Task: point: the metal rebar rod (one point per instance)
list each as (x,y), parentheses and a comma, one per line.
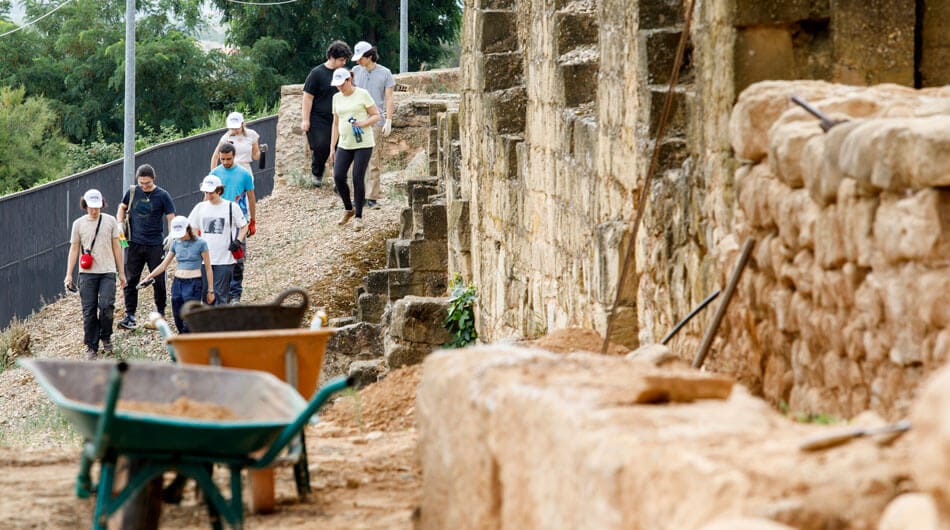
(727,297)
(654,161)
(702,305)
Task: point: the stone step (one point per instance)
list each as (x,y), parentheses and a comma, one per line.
(370,307)
(503,70)
(397,253)
(507,110)
(660,45)
(406,228)
(677,123)
(499,31)
(575,28)
(430,256)
(660,13)
(578,70)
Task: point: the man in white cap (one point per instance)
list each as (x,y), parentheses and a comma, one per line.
(94,244)
(316,117)
(378,81)
(222,225)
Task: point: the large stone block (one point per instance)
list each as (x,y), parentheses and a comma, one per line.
(786,146)
(860,60)
(503,70)
(351,342)
(420,319)
(910,228)
(397,252)
(576,79)
(757,12)
(676,123)
(428,255)
(507,110)
(370,307)
(660,14)
(499,31)
(434,222)
(406,227)
(575,28)
(459,226)
(897,153)
(659,47)
(762,53)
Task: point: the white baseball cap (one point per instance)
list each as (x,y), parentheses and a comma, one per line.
(210,183)
(340,75)
(361,48)
(179,227)
(235,119)
(93,198)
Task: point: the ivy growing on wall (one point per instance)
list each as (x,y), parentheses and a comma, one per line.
(460,320)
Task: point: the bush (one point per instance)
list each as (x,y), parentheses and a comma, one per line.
(460,320)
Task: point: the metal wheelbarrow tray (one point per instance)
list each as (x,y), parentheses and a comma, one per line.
(270,415)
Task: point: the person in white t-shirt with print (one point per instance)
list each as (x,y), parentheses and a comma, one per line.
(222,226)
(353,110)
(246,142)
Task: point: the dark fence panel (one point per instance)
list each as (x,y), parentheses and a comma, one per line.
(35,224)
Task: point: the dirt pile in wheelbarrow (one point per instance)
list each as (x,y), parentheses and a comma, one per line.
(181,408)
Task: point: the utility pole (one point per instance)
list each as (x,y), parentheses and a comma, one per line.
(128,165)
(403,36)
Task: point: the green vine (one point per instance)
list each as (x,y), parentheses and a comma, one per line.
(460,320)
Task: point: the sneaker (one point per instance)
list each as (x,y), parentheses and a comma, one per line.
(107,346)
(358,224)
(128,322)
(90,354)
(347,215)
(316,181)
(371,203)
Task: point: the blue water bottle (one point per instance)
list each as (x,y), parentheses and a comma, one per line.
(357,131)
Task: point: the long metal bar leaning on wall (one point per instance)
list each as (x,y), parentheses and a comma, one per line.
(35,224)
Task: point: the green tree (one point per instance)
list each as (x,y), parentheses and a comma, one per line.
(308,28)
(31,149)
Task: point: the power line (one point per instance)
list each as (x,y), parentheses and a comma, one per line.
(41,17)
(261,3)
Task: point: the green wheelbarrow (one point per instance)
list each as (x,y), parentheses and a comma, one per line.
(268,415)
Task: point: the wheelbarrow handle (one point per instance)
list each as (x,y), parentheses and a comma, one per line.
(162,326)
(97,447)
(292,430)
(305,300)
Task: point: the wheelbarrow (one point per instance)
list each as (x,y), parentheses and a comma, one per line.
(294,355)
(242,317)
(267,416)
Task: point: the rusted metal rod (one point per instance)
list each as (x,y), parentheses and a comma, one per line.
(826,122)
(724,305)
(654,160)
(702,305)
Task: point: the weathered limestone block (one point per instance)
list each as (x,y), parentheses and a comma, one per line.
(763,52)
(910,511)
(352,342)
(911,228)
(744,523)
(370,307)
(829,238)
(796,216)
(759,106)
(756,186)
(366,372)
(867,61)
(897,153)
(426,255)
(434,222)
(514,438)
(857,213)
(397,253)
(786,145)
(825,184)
(930,439)
(420,319)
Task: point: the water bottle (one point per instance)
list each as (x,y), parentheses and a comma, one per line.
(357,131)
(319,320)
(122,241)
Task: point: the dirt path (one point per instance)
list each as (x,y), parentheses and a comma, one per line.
(366,481)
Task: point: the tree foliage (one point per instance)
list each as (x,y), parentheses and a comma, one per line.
(32,148)
(308,28)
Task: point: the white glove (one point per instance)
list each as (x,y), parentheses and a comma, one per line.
(387,127)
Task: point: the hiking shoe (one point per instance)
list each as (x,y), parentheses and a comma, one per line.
(371,203)
(90,354)
(316,181)
(107,346)
(358,224)
(347,215)
(128,322)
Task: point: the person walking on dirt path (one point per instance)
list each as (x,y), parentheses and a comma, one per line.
(94,244)
(222,225)
(238,185)
(246,142)
(191,252)
(379,82)
(316,117)
(150,208)
(354,114)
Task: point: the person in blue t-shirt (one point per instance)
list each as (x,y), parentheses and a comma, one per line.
(192,253)
(151,208)
(238,188)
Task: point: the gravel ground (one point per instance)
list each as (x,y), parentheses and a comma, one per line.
(298,244)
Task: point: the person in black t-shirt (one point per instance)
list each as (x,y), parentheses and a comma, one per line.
(151,209)
(316,118)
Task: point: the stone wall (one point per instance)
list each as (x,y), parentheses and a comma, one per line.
(846,302)
(560,102)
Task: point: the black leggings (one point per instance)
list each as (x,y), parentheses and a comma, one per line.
(360,160)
